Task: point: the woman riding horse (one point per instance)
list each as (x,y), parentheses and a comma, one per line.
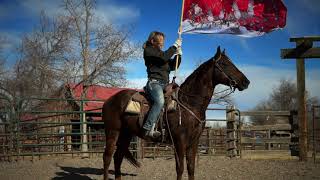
(184,126)
(159,64)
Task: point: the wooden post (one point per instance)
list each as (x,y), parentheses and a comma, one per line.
(84,143)
(268,145)
(84,136)
(69,139)
(90,140)
(302,115)
(240,138)
(253,145)
(304,49)
(154,151)
(231,132)
(313,134)
(220,140)
(139,148)
(208,141)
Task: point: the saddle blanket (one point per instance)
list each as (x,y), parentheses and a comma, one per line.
(134,107)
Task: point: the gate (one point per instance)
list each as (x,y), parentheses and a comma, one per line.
(268,141)
(50,126)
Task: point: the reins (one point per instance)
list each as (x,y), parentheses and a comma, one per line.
(189,110)
(231,89)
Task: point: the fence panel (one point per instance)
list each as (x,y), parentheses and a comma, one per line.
(53,126)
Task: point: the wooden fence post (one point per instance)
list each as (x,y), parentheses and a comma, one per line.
(139,148)
(268,145)
(302,110)
(304,50)
(208,141)
(84,136)
(231,132)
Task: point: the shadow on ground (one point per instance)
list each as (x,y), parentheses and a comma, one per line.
(83,173)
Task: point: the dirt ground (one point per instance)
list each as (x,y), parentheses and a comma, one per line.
(208,168)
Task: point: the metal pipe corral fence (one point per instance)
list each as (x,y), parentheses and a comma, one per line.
(54,127)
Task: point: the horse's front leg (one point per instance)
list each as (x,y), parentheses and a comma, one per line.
(180,147)
(191,156)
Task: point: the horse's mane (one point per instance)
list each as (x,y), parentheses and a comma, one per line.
(203,68)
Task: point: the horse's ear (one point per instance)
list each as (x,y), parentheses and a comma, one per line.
(218,50)
(218,53)
(224,52)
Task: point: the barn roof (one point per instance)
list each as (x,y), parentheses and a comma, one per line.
(96,95)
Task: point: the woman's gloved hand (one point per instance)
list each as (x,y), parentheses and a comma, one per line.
(179,51)
(178,43)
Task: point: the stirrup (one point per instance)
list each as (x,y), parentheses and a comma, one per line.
(153,134)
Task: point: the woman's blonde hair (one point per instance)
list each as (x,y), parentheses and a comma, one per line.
(151,37)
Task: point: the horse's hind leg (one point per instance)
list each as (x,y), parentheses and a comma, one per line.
(111,139)
(122,146)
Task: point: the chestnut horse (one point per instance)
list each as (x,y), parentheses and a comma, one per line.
(185,125)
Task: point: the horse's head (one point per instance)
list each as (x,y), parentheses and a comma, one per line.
(231,75)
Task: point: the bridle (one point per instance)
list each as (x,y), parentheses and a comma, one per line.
(232,82)
(232,88)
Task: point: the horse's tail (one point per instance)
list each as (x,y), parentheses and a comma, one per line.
(132,160)
(111,114)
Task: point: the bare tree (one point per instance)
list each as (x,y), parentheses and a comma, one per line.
(72,47)
(4,73)
(39,64)
(103,48)
(42,56)
(6,97)
(2,58)
(2,69)
(282,98)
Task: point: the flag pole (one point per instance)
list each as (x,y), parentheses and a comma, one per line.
(179,35)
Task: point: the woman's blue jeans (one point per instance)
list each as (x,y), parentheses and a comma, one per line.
(155,91)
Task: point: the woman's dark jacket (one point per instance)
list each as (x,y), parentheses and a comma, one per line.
(159,63)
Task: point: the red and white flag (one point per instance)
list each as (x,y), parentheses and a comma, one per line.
(240,17)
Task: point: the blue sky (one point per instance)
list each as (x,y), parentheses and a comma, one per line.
(259,57)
